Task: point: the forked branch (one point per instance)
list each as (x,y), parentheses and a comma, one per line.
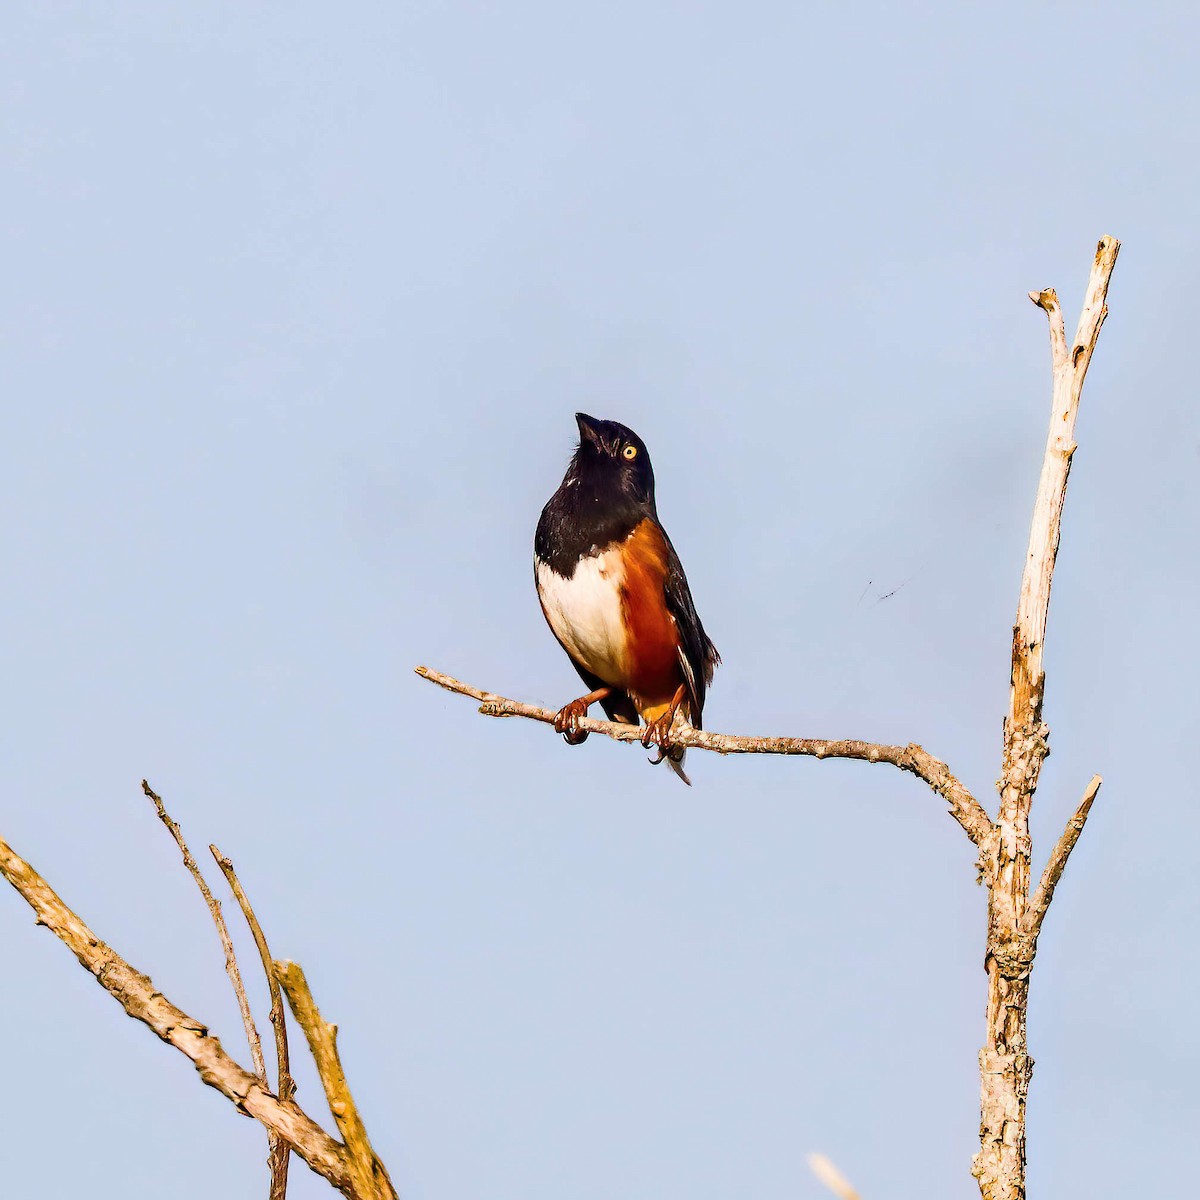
(1013,918)
(1069,367)
(352,1168)
(141,1000)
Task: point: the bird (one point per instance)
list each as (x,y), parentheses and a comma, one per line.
(614,593)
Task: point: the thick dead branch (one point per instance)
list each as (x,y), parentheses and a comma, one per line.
(214,907)
(964,808)
(1005,1065)
(280,1152)
(1036,912)
(138,996)
(370,1174)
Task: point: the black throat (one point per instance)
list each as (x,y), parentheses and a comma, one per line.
(589,513)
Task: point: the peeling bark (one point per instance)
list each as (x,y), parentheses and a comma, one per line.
(1005,1067)
(138,996)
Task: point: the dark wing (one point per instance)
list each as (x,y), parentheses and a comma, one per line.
(697,655)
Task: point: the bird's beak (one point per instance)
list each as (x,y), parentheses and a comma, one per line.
(587,430)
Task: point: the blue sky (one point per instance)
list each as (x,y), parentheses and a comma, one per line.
(297,305)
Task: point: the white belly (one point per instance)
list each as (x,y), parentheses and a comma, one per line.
(585,614)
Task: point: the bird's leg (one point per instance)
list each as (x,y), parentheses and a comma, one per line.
(658,732)
(566,720)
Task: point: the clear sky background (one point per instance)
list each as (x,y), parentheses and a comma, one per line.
(297,303)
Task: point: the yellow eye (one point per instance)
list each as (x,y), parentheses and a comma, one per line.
(629,452)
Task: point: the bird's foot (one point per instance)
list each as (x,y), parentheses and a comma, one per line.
(658,734)
(566,721)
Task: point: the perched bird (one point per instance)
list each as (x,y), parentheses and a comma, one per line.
(614,593)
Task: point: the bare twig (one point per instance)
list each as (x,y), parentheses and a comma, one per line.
(285,1087)
(1047,300)
(1036,912)
(138,996)
(964,808)
(370,1174)
(831,1177)
(214,907)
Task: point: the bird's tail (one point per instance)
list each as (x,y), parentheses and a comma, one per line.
(676,754)
(675,762)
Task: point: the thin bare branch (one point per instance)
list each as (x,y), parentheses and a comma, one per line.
(1047,300)
(214,907)
(369,1173)
(831,1177)
(138,996)
(964,808)
(1035,914)
(1069,370)
(280,1152)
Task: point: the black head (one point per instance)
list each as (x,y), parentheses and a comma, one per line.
(612,459)
(607,491)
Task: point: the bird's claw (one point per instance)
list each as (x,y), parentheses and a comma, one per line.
(658,735)
(566,722)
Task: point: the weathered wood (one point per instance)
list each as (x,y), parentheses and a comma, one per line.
(138,996)
(1004,1063)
